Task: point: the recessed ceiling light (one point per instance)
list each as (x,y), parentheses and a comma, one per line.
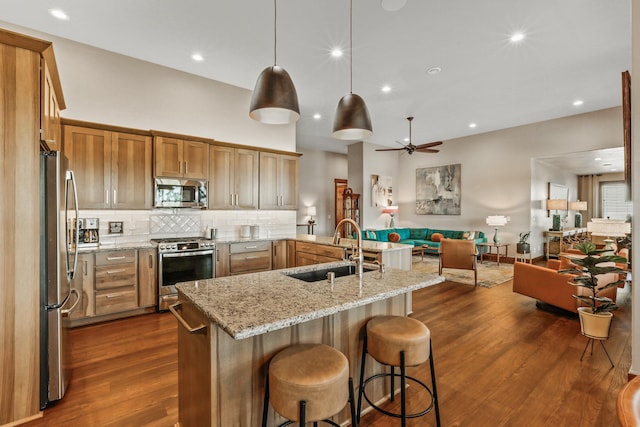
(473,125)
(613,169)
(516,37)
(336,52)
(197,57)
(317,116)
(393,5)
(434,70)
(597,158)
(386,88)
(578,102)
(59,13)
(407,140)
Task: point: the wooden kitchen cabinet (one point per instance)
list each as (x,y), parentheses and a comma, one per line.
(291,253)
(278,181)
(147,277)
(112,168)
(233,178)
(222,259)
(83,283)
(180,158)
(116,281)
(51,131)
(279,248)
(249,257)
(24,61)
(312,253)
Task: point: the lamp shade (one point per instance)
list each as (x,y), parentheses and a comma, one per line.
(274,100)
(311,211)
(352,121)
(608,227)
(578,206)
(497,220)
(557,204)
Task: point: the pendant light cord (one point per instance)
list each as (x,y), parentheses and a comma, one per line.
(275,30)
(351,46)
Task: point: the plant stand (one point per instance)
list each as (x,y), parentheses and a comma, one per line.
(595,327)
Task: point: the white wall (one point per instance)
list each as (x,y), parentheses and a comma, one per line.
(104,87)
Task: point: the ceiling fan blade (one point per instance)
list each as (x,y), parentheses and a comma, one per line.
(390,149)
(429,144)
(427,150)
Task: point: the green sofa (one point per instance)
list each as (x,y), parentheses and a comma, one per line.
(420,236)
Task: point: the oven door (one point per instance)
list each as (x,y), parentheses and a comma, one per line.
(182,267)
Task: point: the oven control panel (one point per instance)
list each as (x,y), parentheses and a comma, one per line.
(185,246)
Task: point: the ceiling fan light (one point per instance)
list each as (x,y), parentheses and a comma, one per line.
(352,121)
(274,100)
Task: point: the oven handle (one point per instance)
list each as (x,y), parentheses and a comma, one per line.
(185,254)
(201,328)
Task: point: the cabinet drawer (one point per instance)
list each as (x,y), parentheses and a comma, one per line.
(114,276)
(118,257)
(116,300)
(237,248)
(306,247)
(330,251)
(249,262)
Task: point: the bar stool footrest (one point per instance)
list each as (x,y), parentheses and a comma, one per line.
(393,414)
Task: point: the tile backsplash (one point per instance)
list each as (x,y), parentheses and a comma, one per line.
(140,226)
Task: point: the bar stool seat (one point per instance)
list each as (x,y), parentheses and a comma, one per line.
(398,341)
(309,382)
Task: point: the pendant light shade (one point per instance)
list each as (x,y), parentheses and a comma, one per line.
(352,121)
(274,100)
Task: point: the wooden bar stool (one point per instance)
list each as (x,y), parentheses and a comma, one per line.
(309,382)
(398,341)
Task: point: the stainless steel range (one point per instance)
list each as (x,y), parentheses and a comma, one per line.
(182,260)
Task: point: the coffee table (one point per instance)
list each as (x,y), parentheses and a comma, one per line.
(490,245)
(419,250)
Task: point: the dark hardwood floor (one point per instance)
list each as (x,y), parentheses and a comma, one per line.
(500,361)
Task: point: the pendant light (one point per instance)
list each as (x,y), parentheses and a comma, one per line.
(352,121)
(274,100)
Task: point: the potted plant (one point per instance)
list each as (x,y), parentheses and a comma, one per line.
(523,246)
(595,315)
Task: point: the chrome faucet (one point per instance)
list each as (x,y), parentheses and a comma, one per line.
(358,256)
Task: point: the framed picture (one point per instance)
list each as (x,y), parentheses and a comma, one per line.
(381,191)
(438,190)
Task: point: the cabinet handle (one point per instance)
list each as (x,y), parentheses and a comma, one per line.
(106,196)
(115,258)
(186,168)
(251,257)
(150,261)
(85,268)
(201,328)
(109,296)
(116,271)
(251,247)
(115,197)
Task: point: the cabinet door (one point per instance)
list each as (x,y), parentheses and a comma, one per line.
(167,157)
(279,248)
(269,196)
(89,154)
(195,159)
(83,283)
(291,253)
(131,180)
(246,178)
(50,120)
(222,259)
(147,278)
(288,181)
(221,177)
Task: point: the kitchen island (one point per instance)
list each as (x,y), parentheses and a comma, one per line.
(231,327)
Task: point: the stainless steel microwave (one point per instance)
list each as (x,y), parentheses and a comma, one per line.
(179,193)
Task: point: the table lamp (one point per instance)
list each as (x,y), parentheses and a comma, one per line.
(497,221)
(311,211)
(391,210)
(578,206)
(556,205)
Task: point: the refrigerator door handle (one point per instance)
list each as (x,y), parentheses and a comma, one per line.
(67,311)
(70,178)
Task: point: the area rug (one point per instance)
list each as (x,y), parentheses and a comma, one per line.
(489,274)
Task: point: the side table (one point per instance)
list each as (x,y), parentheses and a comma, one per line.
(490,245)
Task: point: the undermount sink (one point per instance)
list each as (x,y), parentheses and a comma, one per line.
(318,275)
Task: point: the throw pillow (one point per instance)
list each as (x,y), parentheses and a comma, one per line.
(394,237)
(436,237)
(369,234)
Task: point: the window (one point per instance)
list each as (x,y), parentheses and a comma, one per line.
(614,201)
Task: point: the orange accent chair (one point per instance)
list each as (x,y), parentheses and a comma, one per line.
(460,254)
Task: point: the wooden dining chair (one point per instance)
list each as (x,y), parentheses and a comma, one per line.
(460,254)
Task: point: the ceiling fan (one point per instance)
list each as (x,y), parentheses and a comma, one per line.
(422,148)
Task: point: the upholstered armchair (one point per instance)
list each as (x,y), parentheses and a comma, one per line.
(460,254)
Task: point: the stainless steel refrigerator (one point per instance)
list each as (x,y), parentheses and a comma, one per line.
(58,211)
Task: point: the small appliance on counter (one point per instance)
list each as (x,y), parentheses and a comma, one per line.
(88,235)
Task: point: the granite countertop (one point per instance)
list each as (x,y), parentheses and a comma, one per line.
(253,304)
(115,247)
(368,245)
